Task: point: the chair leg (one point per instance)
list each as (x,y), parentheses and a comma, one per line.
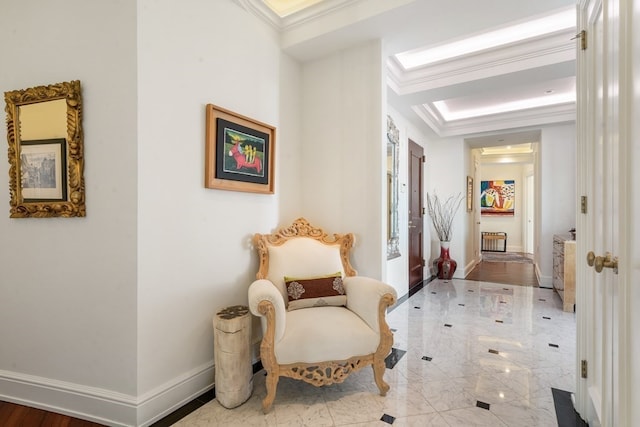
(272,384)
(378,372)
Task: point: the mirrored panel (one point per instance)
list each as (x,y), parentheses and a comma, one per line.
(46,151)
(393,147)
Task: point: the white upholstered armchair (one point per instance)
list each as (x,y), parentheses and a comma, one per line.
(320,321)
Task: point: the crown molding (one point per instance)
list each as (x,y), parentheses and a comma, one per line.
(562,113)
(282,24)
(262,11)
(548,50)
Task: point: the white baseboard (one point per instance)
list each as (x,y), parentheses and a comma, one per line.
(163,400)
(543,281)
(461,273)
(105,406)
(88,403)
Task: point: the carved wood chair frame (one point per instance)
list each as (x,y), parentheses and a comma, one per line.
(322,373)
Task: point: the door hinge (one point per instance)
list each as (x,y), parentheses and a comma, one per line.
(583,39)
(583,204)
(583,368)
(423,211)
(424,263)
(424,159)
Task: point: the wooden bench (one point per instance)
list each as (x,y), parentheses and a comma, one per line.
(494,241)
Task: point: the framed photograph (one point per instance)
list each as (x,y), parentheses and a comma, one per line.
(469,194)
(239,152)
(497,198)
(43,170)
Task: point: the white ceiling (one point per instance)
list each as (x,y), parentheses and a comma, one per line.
(539,67)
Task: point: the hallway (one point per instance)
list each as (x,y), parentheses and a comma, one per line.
(514,273)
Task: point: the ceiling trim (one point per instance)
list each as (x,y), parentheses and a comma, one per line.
(516,57)
(562,113)
(507,158)
(262,11)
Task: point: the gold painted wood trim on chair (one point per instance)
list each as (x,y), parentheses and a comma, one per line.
(302,228)
(327,372)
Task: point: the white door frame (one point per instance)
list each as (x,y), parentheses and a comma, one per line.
(530,214)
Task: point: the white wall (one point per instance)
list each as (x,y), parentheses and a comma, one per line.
(398,268)
(557,192)
(195,256)
(344,150)
(512,225)
(121,302)
(447,170)
(68,286)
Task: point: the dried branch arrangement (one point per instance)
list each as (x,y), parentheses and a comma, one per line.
(442,214)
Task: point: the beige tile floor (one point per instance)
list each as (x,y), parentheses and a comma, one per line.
(514,380)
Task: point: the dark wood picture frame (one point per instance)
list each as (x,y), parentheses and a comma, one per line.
(239,152)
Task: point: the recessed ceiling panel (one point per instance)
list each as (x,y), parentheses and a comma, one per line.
(547,24)
(507,149)
(524,96)
(286,7)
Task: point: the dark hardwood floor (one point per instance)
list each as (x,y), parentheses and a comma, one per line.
(511,273)
(12,415)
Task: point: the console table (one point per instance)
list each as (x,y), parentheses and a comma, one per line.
(564,270)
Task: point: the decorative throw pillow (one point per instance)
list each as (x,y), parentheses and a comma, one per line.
(315,291)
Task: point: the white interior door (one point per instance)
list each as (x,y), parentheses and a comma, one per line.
(599,130)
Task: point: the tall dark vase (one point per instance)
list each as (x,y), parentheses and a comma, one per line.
(444,265)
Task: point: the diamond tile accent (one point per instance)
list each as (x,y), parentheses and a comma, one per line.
(388,418)
(483,405)
(394,357)
(427,358)
(447,325)
(554,345)
(492,351)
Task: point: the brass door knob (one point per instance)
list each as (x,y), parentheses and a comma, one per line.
(601,263)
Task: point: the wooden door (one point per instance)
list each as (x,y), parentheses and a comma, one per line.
(416,233)
(603,388)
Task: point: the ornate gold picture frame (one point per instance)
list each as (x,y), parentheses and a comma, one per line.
(46,151)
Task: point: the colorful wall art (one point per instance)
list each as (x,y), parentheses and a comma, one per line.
(497,198)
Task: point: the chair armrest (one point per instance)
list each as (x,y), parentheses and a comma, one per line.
(364,296)
(264,290)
